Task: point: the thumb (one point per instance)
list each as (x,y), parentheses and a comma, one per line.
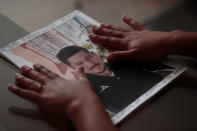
(80,73)
(134,24)
(119,56)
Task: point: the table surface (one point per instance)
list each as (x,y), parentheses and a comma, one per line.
(175,108)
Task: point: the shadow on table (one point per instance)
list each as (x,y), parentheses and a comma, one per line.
(60,124)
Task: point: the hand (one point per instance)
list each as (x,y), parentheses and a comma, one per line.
(49,91)
(61,98)
(139,44)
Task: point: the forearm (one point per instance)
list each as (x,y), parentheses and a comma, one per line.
(183,43)
(90,115)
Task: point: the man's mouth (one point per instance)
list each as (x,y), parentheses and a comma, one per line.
(100,70)
(94,66)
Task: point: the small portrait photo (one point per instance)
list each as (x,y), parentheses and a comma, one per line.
(116,85)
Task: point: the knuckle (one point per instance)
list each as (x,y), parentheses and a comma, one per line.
(111,39)
(44,70)
(112,27)
(95,37)
(118,33)
(38,67)
(52,75)
(39,75)
(134,22)
(17,90)
(28,70)
(102,30)
(20,93)
(109,26)
(125,43)
(30,73)
(126,34)
(110,32)
(33,83)
(24,79)
(21,78)
(41,78)
(100,38)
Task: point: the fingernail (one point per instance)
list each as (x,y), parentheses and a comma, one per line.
(123,16)
(110,57)
(10,86)
(102,25)
(94,27)
(36,65)
(17,75)
(25,68)
(90,35)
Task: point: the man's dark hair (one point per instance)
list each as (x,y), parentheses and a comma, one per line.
(69,51)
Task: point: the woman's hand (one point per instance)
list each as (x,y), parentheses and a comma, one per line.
(51,92)
(139,44)
(62,98)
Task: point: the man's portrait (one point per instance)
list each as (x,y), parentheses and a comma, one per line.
(117,86)
(76,56)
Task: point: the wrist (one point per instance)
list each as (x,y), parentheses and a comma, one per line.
(79,105)
(174,39)
(86,112)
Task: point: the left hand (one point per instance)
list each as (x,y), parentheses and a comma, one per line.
(49,91)
(139,44)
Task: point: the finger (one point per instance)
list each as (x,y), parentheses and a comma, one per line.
(108,26)
(109,42)
(108,32)
(45,71)
(119,56)
(26,94)
(80,74)
(29,72)
(75,75)
(27,83)
(135,25)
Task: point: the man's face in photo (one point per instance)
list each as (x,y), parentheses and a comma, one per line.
(91,62)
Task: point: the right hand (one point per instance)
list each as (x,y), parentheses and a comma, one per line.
(139,44)
(56,96)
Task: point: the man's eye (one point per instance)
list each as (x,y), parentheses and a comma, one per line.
(88,57)
(78,63)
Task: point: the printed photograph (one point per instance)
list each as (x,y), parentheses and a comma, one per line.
(67,47)
(117,86)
